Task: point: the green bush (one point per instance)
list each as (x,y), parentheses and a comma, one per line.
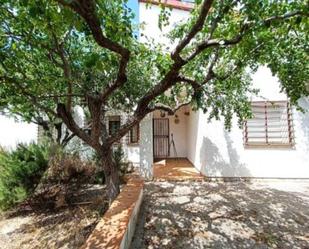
(120,161)
(118,157)
(20,172)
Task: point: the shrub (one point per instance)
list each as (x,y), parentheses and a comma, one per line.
(65,168)
(118,157)
(120,161)
(20,172)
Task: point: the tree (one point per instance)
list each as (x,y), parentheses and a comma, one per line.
(52,127)
(58,54)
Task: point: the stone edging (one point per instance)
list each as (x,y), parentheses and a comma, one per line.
(116,229)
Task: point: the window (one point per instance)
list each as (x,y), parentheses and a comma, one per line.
(113,124)
(134,134)
(271,125)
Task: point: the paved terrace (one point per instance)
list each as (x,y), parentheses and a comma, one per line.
(180,210)
(179,169)
(198,215)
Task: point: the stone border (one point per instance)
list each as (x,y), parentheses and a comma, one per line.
(116,229)
(222,179)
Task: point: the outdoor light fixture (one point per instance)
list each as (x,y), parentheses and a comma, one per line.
(176,119)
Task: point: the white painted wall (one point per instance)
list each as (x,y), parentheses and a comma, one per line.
(146,147)
(267,84)
(149,16)
(216,152)
(133,154)
(13,132)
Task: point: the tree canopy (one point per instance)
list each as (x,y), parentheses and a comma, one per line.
(58,54)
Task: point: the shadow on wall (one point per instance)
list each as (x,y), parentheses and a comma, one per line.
(145,168)
(213,163)
(304,120)
(146,153)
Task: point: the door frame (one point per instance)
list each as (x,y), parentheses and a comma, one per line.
(168,137)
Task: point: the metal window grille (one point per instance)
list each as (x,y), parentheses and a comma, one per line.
(271,125)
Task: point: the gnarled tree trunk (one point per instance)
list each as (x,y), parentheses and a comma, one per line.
(111,174)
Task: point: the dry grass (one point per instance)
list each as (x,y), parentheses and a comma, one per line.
(67,227)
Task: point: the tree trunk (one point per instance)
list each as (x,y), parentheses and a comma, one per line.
(111,175)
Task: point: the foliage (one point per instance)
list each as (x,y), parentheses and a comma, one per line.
(55,55)
(118,156)
(20,172)
(37,36)
(119,161)
(65,168)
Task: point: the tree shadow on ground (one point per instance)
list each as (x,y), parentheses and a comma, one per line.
(67,227)
(221,215)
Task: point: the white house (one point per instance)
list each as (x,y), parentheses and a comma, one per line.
(275,144)
(13,132)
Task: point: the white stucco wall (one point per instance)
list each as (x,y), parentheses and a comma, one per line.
(146,147)
(13,132)
(267,84)
(217,152)
(149,16)
(133,154)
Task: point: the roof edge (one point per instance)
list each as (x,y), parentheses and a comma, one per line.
(171,3)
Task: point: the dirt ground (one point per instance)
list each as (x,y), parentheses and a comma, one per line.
(65,228)
(192,215)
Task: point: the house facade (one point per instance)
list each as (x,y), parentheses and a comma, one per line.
(274,144)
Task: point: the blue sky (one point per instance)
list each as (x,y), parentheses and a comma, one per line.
(133,4)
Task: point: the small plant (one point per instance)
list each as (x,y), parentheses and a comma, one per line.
(119,161)
(118,157)
(266,237)
(65,168)
(20,172)
(122,165)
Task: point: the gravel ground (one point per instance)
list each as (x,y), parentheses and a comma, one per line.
(195,215)
(65,228)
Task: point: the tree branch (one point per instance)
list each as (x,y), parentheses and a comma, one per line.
(30,96)
(72,125)
(169,110)
(86,9)
(67,75)
(218,42)
(219,17)
(285,16)
(195,85)
(194,30)
(59,47)
(210,74)
(242,32)
(52,96)
(95,109)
